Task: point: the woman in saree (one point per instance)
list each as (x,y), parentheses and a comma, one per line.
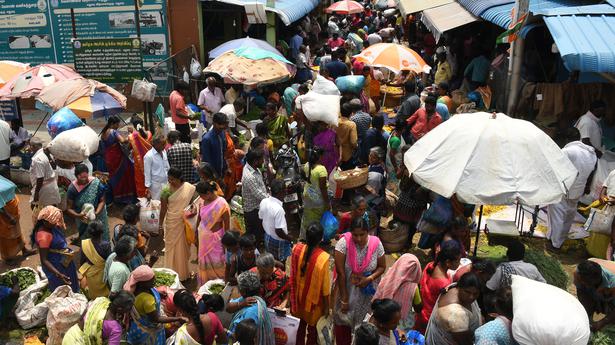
(498,331)
(251,306)
(213,219)
(141,142)
(95,252)
(435,278)
(277,125)
(400,283)
(359,263)
(386,314)
(104,322)
(86,189)
(174,198)
(274,281)
(11,239)
(146,326)
(326,139)
(119,165)
(201,329)
(56,257)
(288,98)
(310,284)
(395,151)
(207,174)
(456,314)
(232,163)
(315,193)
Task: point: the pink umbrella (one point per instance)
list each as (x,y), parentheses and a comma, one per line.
(30,83)
(345,7)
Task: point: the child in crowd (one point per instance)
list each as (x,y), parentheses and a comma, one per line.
(230,241)
(245,259)
(130,215)
(376,184)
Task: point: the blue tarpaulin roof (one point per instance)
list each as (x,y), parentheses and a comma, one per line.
(289,11)
(585,42)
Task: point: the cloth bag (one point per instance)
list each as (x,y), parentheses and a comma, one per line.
(65,310)
(143,90)
(600,220)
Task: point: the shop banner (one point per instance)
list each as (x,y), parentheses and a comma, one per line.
(108,60)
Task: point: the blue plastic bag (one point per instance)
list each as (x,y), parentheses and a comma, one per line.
(63,120)
(440,212)
(330,224)
(350,83)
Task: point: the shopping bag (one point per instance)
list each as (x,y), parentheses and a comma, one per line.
(149,215)
(324,327)
(160,114)
(600,221)
(285,328)
(195,68)
(330,224)
(190,233)
(143,90)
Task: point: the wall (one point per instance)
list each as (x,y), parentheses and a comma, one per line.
(184,25)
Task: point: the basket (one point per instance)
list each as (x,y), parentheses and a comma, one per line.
(353,178)
(394,239)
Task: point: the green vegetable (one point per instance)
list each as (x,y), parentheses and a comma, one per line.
(46,293)
(216,289)
(605,336)
(550,268)
(24,276)
(164,279)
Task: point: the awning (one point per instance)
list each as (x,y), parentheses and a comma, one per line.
(443,18)
(289,11)
(585,42)
(411,6)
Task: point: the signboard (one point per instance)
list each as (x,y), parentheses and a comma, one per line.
(40,31)
(8,110)
(25,32)
(109,60)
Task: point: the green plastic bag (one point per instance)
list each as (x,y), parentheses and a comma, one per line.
(160,114)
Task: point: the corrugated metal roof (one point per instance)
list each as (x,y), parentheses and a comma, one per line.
(289,11)
(443,18)
(585,42)
(478,7)
(577,10)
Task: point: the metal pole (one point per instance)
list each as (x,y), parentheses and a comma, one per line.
(480,219)
(73,22)
(516,59)
(146,115)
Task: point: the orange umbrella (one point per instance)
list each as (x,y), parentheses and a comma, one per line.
(9,69)
(394,57)
(345,7)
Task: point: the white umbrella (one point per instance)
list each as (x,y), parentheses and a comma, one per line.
(491,159)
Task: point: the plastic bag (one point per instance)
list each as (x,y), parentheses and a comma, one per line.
(600,221)
(186,76)
(74,145)
(177,285)
(439,213)
(65,310)
(195,68)
(284,328)
(28,314)
(324,327)
(224,316)
(546,315)
(63,120)
(160,114)
(143,90)
(149,215)
(319,107)
(325,86)
(330,225)
(350,83)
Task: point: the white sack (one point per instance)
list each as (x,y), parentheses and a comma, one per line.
(319,107)
(74,145)
(325,86)
(65,310)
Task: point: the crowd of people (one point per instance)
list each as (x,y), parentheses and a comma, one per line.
(341,279)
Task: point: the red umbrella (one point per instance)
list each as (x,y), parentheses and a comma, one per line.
(345,7)
(30,82)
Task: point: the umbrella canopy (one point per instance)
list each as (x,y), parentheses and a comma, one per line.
(394,57)
(491,159)
(7,191)
(100,104)
(345,7)
(30,82)
(9,69)
(242,43)
(88,95)
(384,4)
(251,66)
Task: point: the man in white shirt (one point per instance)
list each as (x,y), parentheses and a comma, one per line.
(515,265)
(589,125)
(232,112)
(332,27)
(210,100)
(155,166)
(561,215)
(5,147)
(608,187)
(271,212)
(19,136)
(43,178)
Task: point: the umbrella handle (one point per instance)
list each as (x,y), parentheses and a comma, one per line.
(480,218)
